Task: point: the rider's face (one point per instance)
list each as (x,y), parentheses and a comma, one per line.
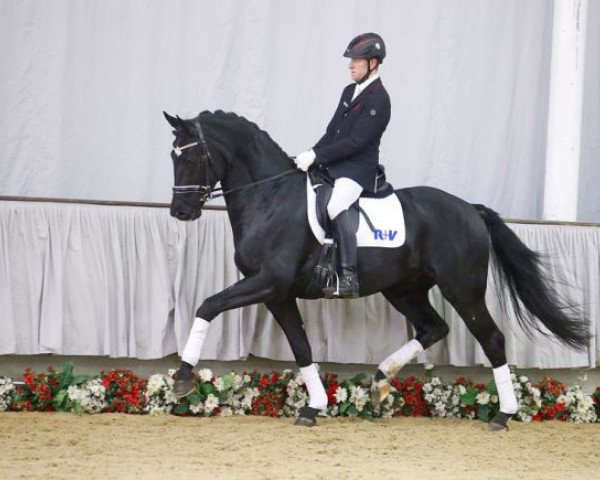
(358,67)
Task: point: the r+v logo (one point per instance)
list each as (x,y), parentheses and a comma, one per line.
(388,235)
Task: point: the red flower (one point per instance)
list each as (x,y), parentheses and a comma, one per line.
(264,381)
(331,393)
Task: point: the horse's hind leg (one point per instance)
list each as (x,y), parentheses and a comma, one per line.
(480,323)
(429,327)
(287,315)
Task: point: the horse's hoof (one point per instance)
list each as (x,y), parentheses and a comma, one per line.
(183,388)
(379,392)
(307,417)
(305,422)
(500,422)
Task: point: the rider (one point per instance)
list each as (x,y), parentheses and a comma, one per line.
(349,149)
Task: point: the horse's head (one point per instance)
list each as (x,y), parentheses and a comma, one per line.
(226,148)
(194,167)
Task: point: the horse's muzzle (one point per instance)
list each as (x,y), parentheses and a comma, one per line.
(186,207)
(186,216)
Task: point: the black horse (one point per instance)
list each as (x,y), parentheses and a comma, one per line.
(447,244)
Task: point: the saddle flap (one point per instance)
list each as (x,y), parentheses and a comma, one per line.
(385,214)
(323,188)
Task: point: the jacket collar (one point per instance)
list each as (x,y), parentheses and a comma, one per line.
(374,85)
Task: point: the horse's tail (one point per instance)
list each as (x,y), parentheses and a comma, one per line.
(527,280)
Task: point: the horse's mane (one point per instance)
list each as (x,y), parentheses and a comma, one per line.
(253,126)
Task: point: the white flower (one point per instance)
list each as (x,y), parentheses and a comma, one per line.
(88,397)
(205,374)
(341,395)
(211,403)
(246,402)
(219,384)
(427,388)
(483,398)
(494,399)
(238,381)
(155,384)
(523,379)
(358,396)
(524,416)
(429,366)
(246,378)
(226,412)
(154,409)
(197,408)
(171,398)
(436,381)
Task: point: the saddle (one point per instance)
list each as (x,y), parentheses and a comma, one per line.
(322,184)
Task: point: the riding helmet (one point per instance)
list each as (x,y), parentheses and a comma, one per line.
(366,45)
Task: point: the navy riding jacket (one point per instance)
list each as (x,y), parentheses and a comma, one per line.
(350,146)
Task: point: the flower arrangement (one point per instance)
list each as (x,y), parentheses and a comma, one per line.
(124,391)
(283,394)
(457,400)
(348,397)
(7,393)
(89,397)
(579,405)
(297,395)
(230,394)
(47,391)
(160,396)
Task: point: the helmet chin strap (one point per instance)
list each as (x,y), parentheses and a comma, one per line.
(368,74)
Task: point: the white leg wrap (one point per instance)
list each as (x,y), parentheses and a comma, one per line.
(317,397)
(392,364)
(506,392)
(193,347)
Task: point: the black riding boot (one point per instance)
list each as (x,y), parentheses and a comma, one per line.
(348,279)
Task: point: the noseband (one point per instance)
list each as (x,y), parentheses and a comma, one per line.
(205,191)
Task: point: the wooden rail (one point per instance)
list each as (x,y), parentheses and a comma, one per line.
(222,207)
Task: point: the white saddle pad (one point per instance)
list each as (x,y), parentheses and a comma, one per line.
(385,214)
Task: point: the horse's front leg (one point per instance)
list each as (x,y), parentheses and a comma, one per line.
(287,315)
(248,291)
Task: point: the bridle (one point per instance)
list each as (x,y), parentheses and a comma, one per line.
(206,191)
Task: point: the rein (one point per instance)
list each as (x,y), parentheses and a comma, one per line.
(206,191)
(248,185)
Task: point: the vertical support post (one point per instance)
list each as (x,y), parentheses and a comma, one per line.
(565,110)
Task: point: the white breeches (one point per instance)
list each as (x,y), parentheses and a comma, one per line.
(345,193)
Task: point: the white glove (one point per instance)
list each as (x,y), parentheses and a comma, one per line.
(305,160)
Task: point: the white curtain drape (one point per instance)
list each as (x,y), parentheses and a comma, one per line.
(126,282)
(83,84)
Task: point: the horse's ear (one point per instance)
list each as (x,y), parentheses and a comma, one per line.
(172,120)
(183,124)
